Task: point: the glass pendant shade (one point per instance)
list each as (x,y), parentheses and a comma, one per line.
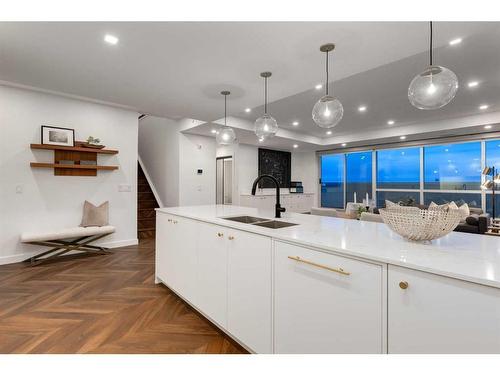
(327,112)
(226,136)
(265,127)
(433,88)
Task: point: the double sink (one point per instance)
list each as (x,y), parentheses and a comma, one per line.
(259,221)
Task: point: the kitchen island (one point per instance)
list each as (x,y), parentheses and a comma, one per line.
(329,285)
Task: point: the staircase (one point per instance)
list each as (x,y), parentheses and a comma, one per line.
(146,204)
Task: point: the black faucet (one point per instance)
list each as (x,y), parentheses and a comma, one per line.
(278,209)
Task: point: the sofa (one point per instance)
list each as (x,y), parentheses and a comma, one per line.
(478,222)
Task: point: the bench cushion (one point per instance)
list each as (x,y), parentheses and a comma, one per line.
(66,233)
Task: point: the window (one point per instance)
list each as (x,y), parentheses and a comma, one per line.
(453,167)
(358,175)
(472,199)
(332,180)
(398,168)
(493,160)
(406,197)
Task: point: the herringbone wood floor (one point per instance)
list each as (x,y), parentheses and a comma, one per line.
(100,304)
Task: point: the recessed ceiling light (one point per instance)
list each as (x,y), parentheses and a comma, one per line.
(487,126)
(390,122)
(329,132)
(362,108)
(295,123)
(402,137)
(483,106)
(318,86)
(261,139)
(248,110)
(455,41)
(213,131)
(111,39)
(473,83)
(295,145)
(344,144)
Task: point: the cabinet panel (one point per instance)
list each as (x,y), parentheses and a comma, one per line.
(250,290)
(321,311)
(437,314)
(176,254)
(212,272)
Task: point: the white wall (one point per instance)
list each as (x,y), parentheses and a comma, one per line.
(55,202)
(171,160)
(196,152)
(159,153)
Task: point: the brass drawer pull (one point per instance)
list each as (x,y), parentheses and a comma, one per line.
(169,220)
(338,270)
(175,221)
(231,238)
(403,284)
(220,234)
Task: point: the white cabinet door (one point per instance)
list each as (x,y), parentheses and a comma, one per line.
(250,290)
(176,254)
(437,314)
(212,272)
(318,310)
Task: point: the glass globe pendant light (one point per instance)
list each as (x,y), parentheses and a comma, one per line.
(435,87)
(328,111)
(225,135)
(265,126)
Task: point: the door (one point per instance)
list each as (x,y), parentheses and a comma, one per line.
(224,180)
(212,272)
(436,314)
(326,303)
(249,289)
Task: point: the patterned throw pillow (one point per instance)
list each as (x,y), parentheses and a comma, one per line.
(95,216)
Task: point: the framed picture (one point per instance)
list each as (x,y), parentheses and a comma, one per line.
(52,135)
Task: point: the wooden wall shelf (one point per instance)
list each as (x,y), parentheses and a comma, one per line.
(74,166)
(64,155)
(38,146)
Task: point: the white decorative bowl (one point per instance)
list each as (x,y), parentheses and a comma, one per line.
(421,225)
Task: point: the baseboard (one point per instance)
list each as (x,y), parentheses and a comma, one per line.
(17,258)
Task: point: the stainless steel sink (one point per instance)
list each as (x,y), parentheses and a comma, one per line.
(245,219)
(274,224)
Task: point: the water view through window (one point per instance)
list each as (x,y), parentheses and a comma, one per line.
(332,180)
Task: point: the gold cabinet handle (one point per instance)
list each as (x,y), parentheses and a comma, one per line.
(338,270)
(175,221)
(220,234)
(230,238)
(403,284)
(169,220)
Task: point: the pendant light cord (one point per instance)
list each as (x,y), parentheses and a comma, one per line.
(225,107)
(265,95)
(430,42)
(326,73)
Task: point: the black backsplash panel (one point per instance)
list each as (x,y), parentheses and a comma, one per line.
(276,163)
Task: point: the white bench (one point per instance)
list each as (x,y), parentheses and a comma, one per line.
(66,240)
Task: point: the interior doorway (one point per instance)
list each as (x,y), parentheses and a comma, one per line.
(224,180)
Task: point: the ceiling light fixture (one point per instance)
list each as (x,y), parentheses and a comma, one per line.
(487,126)
(483,106)
(344,144)
(362,108)
(328,111)
(402,137)
(295,145)
(265,126)
(295,123)
(111,39)
(473,84)
(455,41)
(329,132)
(226,135)
(213,131)
(318,86)
(435,87)
(248,110)
(390,122)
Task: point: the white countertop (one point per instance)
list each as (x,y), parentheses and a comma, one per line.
(470,257)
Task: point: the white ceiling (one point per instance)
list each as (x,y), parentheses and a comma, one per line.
(177,69)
